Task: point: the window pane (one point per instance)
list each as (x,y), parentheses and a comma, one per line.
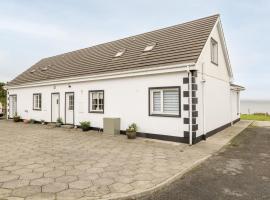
(214,51)
(94,95)
(100,101)
(94,101)
(156,101)
(97,101)
(71,102)
(171,101)
(39,101)
(35,101)
(101,95)
(94,107)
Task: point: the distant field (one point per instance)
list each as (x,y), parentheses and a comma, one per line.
(257,117)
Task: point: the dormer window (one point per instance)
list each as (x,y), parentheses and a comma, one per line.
(150,47)
(214,51)
(120,53)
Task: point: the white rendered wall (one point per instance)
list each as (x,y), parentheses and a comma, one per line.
(126,98)
(219,107)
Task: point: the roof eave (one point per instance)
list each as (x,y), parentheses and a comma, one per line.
(121,74)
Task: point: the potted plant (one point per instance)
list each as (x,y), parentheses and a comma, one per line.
(85,125)
(16,118)
(131,131)
(59,122)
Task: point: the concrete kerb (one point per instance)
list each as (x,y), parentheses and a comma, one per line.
(163,185)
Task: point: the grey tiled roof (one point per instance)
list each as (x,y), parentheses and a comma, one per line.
(177,44)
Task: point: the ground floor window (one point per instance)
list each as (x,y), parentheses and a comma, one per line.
(96,101)
(164,101)
(37,101)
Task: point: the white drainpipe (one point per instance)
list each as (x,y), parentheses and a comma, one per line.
(203,101)
(190,104)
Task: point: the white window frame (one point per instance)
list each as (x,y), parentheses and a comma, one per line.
(161,112)
(37,101)
(98,92)
(214,51)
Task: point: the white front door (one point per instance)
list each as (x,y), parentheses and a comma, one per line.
(12,105)
(55,106)
(69,108)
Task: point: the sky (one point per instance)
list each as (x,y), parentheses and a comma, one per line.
(33,29)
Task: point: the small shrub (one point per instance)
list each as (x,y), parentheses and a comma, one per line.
(132,127)
(131,131)
(59,120)
(85,125)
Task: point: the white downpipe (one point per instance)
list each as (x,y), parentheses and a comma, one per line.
(190,104)
(203,100)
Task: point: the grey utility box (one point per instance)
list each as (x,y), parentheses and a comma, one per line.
(111,126)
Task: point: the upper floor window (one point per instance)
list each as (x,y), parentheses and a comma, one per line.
(96,101)
(214,51)
(37,101)
(164,101)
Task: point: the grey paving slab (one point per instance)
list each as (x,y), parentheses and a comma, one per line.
(238,172)
(41,162)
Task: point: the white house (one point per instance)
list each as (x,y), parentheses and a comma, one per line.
(175,83)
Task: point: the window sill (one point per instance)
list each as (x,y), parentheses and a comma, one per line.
(98,112)
(36,109)
(165,115)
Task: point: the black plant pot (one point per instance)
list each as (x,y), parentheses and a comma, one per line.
(16,119)
(85,128)
(57,124)
(131,134)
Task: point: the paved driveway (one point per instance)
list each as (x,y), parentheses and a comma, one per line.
(240,172)
(39,161)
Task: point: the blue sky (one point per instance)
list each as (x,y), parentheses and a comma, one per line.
(33,29)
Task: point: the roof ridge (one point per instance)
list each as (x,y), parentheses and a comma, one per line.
(128,37)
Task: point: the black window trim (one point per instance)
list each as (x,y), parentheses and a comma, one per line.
(40,101)
(213,40)
(164,115)
(89,104)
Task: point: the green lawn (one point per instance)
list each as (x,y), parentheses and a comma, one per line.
(257,117)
